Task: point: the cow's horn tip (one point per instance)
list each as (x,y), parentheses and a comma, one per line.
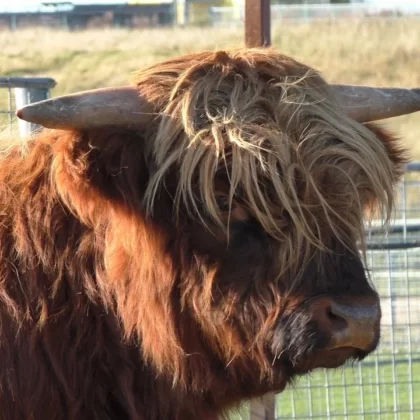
(19,113)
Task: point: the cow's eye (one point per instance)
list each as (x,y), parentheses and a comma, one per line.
(231,209)
(223,203)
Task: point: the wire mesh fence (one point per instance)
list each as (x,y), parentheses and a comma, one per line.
(7,107)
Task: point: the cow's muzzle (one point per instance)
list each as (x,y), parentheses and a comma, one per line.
(351,322)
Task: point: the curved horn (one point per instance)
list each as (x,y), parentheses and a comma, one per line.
(364,103)
(121,106)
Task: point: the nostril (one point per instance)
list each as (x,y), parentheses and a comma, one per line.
(337,322)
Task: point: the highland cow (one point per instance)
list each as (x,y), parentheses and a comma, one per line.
(176,247)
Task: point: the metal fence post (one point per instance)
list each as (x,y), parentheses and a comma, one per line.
(28,90)
(264,408)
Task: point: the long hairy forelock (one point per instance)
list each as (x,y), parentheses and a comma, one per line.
(275,138)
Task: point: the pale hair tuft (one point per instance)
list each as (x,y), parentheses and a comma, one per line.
(273,128)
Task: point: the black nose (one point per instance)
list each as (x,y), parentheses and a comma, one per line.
(348,322)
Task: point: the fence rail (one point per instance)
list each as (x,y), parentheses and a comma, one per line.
(182,13)
(305,13)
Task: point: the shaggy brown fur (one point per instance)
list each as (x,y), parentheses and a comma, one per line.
(161,273)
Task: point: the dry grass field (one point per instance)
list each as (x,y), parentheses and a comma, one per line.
(377,52)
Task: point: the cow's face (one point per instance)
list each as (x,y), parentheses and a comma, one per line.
(264,186)
(276,305)
(318,313)
(237,266)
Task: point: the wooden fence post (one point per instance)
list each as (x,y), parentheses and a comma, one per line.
(257,23)
(258,34)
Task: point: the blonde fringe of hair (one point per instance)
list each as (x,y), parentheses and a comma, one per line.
(271,126)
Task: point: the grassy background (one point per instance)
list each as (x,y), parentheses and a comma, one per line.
(376,52)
